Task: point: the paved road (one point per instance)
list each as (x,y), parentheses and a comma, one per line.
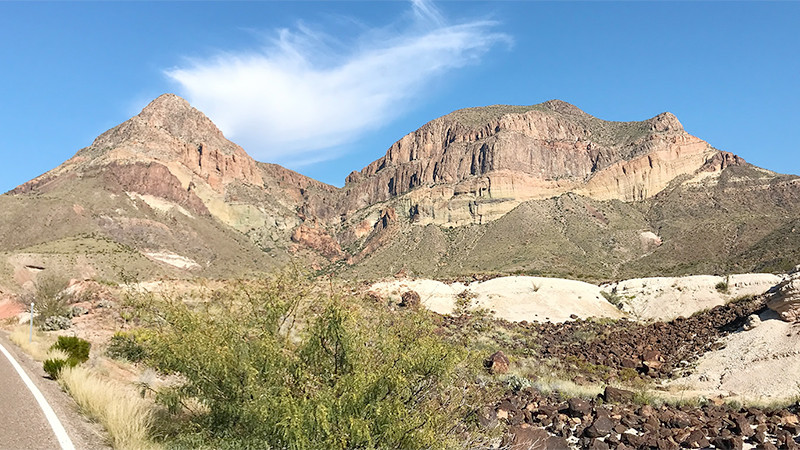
(23,424)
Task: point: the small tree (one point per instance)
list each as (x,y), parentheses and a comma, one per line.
(49,297)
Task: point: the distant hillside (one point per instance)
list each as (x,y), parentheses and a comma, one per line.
(543,189)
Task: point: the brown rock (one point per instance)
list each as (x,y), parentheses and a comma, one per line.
(597,444)
(527,438)
(410,299)
(614,395)
(697,439)
(667,444)
(601,427)
(577,407)
(498,363)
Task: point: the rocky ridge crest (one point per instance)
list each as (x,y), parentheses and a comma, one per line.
(474,165)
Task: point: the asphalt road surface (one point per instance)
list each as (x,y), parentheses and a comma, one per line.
(24,425)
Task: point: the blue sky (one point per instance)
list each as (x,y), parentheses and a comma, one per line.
(326,87)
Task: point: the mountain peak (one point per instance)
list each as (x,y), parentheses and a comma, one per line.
(169,129)
(168,123)
(178,118)
(167,104)
(665,121)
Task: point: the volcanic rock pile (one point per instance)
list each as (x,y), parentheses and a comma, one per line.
(654,350)
(547,422)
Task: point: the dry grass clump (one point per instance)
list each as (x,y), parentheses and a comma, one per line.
(567,388)
(38,348)
(125,415)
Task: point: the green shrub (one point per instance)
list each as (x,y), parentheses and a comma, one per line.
(76,348)
(53,366)
(276,366)
(126,346)
(49,297)
(613,298)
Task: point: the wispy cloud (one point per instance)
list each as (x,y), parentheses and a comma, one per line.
(305,92)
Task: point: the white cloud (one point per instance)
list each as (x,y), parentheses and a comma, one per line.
(305,93)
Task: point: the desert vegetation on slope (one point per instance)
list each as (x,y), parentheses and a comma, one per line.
(277,363)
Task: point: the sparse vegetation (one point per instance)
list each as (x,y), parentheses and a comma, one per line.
(276,364)
(722,287)
(613,298)
(127,346)
(49,297)
(38,345)
(127,417)
(72,351)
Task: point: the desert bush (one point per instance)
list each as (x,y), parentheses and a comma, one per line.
(53,366)
(722,287)
(277,365)
(68,351)
(127,346)
(49,297)
(613,298)
(75,347)
(516,383)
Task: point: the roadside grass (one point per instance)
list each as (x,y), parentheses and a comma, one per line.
(126,416)
(38,347)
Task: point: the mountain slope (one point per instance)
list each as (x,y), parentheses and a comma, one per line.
(542,189)
(162,193)
(549,189)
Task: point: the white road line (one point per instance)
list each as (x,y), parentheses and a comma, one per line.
(55,424)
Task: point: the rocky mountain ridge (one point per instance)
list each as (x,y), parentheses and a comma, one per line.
(475,165)
(549,181)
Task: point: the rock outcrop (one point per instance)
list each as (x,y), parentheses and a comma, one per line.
(475,165)
(317,239)
(171,130)
(785,299)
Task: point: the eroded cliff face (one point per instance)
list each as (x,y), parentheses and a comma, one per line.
(474,165)
(171,130)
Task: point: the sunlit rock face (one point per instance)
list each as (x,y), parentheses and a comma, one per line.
(474,165)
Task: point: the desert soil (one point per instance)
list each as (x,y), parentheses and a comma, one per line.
(762,364)
(536,299)
(517,298)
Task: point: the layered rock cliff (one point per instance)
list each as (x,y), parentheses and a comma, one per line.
(474,165)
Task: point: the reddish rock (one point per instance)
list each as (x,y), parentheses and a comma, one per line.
(577,407)
(601,427)
(317,239)
(527,438)
(614,395)
(498,363)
